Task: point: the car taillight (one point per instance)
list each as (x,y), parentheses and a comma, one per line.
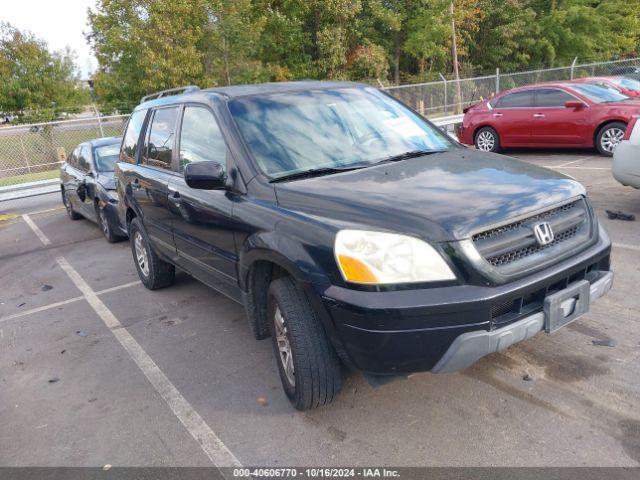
(630,127)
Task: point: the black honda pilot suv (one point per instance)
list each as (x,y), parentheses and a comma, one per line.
(352,230)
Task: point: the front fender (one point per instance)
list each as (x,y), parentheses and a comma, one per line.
(285,252)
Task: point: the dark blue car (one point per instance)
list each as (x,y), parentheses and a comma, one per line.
(88,186)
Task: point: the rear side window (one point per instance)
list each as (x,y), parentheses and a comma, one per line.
(158,147)
(516,100)
(550,97)
(73,158)
(131,136)
(201,138)
(84,160)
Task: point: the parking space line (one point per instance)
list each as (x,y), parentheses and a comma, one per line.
(627,246)
(584,168)
(39,233)
(40,309)
(210,443)
(66,302)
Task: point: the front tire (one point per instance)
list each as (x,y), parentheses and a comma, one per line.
(487,140)
(103,223)
(73,215)
(308,365)
(609,137)
(154,272)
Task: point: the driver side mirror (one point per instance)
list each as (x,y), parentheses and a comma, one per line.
(207,175)
(576,104)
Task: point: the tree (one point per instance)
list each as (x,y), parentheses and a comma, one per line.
(143,46)
(37,84)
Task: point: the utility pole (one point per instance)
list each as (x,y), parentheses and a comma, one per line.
(454,51)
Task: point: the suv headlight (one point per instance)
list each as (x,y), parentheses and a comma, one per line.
(376,258)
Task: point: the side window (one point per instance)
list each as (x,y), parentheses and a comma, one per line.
(131,136)
(516,99)
(84,158)
(158,146)
(201,138)
(73,158)
(550,97)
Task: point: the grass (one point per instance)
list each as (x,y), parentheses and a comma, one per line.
(29,177)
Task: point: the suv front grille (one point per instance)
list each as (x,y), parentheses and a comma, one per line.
(513,247)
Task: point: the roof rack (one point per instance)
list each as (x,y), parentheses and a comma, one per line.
(170,91)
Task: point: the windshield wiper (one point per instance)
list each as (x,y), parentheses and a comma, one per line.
(406,155)
(314,172)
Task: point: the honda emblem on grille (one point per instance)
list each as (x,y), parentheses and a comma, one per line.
(543,233)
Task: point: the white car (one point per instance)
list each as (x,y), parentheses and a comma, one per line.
(626,157)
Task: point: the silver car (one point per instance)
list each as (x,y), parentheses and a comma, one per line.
(626,157)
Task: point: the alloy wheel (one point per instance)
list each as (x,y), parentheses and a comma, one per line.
(103,222)
(141,254)
(611,138)
(486,141)
(284,346)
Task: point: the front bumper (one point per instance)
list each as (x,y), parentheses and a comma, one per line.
(404,331)
(470,347)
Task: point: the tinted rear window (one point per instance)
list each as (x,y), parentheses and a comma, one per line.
(131,136)
(516,99)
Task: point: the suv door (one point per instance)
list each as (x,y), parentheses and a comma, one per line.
(554,124)
(85,188)
(70,177)
(148,180)
(203,226)
(512,117)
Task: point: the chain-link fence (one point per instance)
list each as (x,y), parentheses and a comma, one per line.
(448,97)
(34,152)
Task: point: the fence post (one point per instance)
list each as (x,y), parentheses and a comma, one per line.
(573,66)
(24,154)
(444,82)
(497,81)
(99,121)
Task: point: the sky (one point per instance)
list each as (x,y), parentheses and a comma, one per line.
(60,23)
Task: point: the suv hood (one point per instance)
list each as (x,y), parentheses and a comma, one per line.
(443,196)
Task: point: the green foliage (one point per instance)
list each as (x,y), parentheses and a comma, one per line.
(148,45)
(37,84)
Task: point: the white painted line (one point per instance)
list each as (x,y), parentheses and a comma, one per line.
(43,238)
(216,450)
(627,246)
(564,164)
(66,302)
(585,168)
(118,287)
(210,443)
(41,309)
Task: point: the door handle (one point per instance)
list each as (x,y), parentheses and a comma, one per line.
(538,115)
(498,114)
(174,197)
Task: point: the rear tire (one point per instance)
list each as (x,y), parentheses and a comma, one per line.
(487,140)
(154,272)
(311,377)
(609,137)
(73,215)
(105,227)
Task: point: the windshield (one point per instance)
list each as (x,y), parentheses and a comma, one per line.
(106,157)
(627,83)
(301,131)
(599,94)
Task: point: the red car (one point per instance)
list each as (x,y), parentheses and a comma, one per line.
(551,115)
(627,86)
